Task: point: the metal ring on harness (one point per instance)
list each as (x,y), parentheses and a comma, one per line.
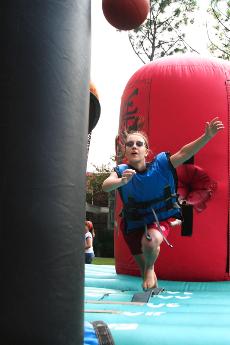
(159,228)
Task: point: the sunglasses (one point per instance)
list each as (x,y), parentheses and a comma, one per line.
(132,143)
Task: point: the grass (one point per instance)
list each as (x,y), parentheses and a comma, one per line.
(103,261)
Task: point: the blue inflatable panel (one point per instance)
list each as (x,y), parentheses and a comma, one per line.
(191,313)
(90,337)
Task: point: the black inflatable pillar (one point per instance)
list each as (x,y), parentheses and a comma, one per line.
(44,80)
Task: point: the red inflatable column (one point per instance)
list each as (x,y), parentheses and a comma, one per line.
(171,99)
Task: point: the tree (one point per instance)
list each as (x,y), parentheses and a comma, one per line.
(162,33)
(94,192)
(219,40)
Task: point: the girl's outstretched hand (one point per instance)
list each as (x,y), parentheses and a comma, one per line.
(212,127)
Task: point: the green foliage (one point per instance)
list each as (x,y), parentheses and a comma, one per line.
(94,192)
(162,33)
(219,39)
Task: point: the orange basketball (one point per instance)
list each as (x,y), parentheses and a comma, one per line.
(125,14)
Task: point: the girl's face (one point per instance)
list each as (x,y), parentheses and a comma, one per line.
(135,148)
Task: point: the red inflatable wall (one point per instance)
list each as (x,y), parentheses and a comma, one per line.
(171,99)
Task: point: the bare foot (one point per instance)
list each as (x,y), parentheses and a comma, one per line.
(150,279)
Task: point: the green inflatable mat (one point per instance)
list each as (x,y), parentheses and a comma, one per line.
(185,313)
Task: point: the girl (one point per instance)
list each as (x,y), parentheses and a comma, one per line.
(148,192)
(89,235)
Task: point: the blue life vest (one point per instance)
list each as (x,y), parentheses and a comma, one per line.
(154,188)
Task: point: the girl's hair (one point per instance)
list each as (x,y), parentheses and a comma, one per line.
(89,225)
(141,133)
(121,139)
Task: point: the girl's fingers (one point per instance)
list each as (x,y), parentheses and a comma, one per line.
(214,119)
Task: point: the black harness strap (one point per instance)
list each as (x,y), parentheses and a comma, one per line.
(131,214)
(187,224)
(187,212)
(145,204)
(130,209)
(103,333)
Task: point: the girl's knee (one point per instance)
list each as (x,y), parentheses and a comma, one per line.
(153,244)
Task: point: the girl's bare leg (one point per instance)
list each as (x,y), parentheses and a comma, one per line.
(140,260)
(151,250)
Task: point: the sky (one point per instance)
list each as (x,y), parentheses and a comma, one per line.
(113,62)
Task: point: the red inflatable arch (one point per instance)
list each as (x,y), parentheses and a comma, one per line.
(171,99)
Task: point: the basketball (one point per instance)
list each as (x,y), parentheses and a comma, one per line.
(125,14)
